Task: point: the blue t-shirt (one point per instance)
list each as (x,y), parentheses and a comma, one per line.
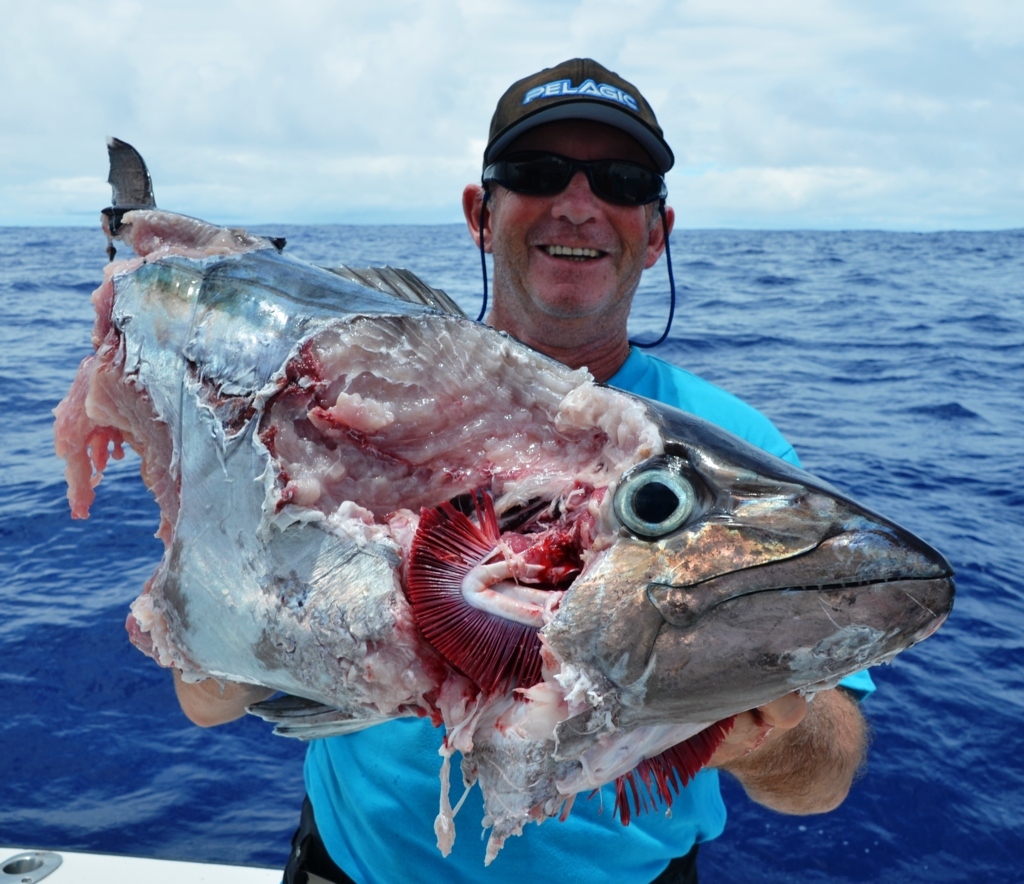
(375,793)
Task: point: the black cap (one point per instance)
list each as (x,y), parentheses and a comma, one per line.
(578,89)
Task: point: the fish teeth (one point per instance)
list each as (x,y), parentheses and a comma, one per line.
(572,252)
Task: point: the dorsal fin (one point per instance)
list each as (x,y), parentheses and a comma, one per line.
(399,283)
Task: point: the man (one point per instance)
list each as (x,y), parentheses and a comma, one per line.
(570,233)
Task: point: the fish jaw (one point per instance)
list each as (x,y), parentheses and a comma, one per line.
(776,583)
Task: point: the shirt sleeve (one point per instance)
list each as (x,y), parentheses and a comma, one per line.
(860,684)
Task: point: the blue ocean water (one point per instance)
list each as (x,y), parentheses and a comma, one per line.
(893,361)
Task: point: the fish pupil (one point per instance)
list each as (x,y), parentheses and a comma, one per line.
(654,502)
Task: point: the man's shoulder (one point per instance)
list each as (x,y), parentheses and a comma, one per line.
(646,372)
(654,378)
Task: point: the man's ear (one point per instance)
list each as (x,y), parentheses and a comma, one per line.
(472,205)
(656,236)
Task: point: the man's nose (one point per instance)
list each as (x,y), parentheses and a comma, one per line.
(577,203)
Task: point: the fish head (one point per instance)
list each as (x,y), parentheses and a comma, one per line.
(733,579)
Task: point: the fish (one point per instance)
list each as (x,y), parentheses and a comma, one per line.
(380,508)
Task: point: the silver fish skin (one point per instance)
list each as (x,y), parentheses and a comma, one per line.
(304,437)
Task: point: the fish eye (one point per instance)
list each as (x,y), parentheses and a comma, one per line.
(654,501)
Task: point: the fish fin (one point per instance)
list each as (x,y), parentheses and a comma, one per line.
(131,186)
(309,720)
(663,776)
(402,284)
(496,653)
(129,178)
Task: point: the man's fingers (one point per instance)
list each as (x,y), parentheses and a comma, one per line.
(786,712)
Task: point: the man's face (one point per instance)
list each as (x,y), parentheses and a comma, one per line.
(543,284)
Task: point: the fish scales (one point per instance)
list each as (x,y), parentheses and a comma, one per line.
(295,428)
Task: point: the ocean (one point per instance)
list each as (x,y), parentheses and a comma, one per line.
(893,361)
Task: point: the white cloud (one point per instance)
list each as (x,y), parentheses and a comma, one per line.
(782,113)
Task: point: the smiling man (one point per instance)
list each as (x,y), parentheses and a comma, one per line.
(566,265)
(571,206)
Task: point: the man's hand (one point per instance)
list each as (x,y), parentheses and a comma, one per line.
(207,704)
(795,756)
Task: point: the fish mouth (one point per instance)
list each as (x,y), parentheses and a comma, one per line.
(794,624)
(682,606)
(572,253)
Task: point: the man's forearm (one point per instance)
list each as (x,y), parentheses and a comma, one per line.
(809,768)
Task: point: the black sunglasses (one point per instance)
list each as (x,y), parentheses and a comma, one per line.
(539,173)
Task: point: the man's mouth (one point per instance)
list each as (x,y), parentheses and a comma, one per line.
(573,253)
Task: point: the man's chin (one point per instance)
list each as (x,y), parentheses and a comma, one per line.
(572,306)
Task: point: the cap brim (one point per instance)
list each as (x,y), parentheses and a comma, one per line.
(589,109)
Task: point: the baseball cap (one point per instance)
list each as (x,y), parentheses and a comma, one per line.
(578,89)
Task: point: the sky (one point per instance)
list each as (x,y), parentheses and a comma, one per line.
(783,114)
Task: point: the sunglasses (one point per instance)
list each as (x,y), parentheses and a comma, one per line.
(538,173)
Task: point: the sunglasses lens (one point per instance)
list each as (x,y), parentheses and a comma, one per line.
(539,176)
(615,181)
(626,183)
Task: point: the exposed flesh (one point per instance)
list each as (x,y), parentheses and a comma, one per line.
(389,511)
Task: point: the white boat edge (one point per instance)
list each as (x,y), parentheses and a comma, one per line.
(26,865)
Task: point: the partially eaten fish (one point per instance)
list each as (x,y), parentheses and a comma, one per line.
(382,509)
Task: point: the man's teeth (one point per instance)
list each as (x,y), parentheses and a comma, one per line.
(571,252)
